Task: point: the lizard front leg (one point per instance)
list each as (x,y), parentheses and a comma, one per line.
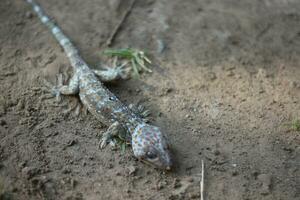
(115,133)
(110,74)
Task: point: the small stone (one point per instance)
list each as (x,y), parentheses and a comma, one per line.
(229,68)
(159,186)
(29,172)
(172,197)
(22,164)
(128,191)
(190,179)
(230,73)
(255,173)
(2,122)
(194,195)
(234,173)
(91,157)
(168,90)
(176,183)
(217,152)
(132,170)
(211,76)
(71,143)
(66,170)
(266,180)
(110,166)
(73,183)
(118,173)
(19,23)
(161,46)
(28,15)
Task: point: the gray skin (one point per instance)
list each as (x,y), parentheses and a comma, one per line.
(148,143)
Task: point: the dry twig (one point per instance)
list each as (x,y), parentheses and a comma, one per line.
(117,28)
(202,181)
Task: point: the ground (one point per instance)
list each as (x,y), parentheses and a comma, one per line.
(225,89)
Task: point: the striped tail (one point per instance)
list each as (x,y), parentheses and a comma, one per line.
(63,40)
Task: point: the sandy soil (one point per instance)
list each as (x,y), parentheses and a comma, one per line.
(225,88)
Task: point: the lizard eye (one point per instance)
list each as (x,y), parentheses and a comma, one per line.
(151,155)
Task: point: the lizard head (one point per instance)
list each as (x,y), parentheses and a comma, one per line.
(151,146)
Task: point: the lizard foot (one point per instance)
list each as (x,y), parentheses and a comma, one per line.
(114,135)
(59,89)
(141,111)
(121,70)
(109,74)
(53,89)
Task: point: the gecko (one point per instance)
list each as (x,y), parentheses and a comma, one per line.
(149,144)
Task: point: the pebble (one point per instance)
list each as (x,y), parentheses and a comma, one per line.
(234,173)
(230,73)
(266,180)
(66,170)
(176,183)
(217,152)
(211,76)
(118,173)
(2,122)
(255,173)
(71,143)
(159,186)
(132,170)
(28,15)
(194,195)
(190,179)
(29,172)
(110,166)
(161,46)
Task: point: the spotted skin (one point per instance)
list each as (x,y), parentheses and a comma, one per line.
(148,142)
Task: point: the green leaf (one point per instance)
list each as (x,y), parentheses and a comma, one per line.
(123,147)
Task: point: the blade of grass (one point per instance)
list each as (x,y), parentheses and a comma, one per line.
(142,64)
(136,57)
(123,53)
(135,69)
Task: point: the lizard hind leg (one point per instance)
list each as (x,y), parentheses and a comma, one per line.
(59,88)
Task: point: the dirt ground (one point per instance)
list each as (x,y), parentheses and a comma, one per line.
(225,88)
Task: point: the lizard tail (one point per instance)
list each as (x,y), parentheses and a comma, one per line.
(63,40)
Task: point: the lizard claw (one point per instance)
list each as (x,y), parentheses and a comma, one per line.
(118,71)
(54,90)
(122,71)
(108,136)
(114,133)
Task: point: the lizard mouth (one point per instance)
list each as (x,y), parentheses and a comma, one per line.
(162,167)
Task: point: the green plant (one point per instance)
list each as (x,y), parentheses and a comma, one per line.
(295,125)
(137,58)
